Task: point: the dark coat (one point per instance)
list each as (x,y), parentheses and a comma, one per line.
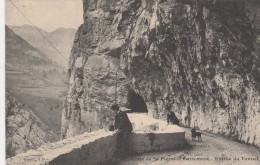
(171,118)
(122,122)
(193,131)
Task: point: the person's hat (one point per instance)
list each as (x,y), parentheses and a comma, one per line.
(114,107)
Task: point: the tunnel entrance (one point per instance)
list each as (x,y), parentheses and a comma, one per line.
(136,102)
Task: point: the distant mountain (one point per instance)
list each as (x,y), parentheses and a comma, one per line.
(23,56)
(35,80)
(61,38)
(24,130)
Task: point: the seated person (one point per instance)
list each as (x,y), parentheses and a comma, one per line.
(123,127)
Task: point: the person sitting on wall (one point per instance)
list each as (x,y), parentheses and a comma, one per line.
(124,129)
(171,118)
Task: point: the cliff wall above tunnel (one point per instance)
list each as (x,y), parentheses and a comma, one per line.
(199,58)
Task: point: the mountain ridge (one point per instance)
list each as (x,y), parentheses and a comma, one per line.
(61,38)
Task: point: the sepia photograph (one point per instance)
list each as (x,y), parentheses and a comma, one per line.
(131,82)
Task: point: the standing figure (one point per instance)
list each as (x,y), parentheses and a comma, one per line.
(124,129)
(171,118)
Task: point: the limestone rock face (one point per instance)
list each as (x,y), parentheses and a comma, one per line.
(198,58)
(24,130)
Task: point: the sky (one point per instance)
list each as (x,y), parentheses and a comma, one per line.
(2,85)
(45,14)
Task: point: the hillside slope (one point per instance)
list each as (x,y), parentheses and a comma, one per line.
(24,130)
(35,80)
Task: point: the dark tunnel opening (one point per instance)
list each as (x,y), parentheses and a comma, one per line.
(136,103)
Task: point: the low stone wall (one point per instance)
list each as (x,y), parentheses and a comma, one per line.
(153,135)
(98,147)
(86,149)
(141,142)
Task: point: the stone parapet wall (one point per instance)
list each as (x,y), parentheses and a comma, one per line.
(98,147)
(153,135)
(141,142)
(89,148)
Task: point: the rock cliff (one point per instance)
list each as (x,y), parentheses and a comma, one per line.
(199,58)
(24,130)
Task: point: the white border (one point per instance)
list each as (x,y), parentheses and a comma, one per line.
(2,83)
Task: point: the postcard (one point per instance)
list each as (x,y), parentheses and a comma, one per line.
(132,82)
